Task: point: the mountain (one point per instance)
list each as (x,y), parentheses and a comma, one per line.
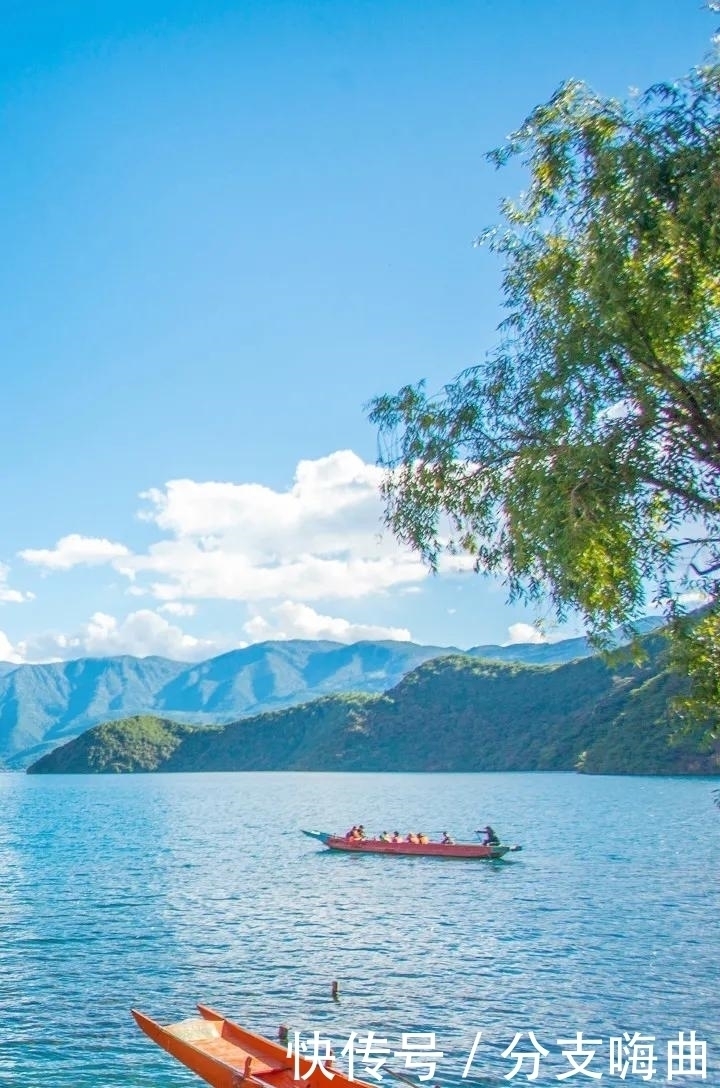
(277,674)
(454,713)
(43,705)
(142,743)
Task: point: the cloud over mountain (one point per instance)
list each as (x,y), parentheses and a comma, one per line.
(525,633)
(292,620)
(143,633)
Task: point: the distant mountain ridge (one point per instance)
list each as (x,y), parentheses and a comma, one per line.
(556,653)
(42,706)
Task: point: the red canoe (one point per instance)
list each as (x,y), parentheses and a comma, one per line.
(423,849)
(227,1056)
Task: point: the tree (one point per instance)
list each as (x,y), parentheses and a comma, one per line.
(581,460)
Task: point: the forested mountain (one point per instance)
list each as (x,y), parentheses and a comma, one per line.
(43,705)
(454,713)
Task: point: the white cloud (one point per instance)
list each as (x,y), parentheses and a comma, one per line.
(14,596)
(694,598)
(523,633)
(290,553)
(455,564)
(178,608)
(293,620)
(320,539)
(8,651)
(75,550)
(322,488)
(11,596)
(141,634)
(621,409)
(229,575)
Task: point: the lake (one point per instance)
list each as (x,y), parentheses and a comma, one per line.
(159,891)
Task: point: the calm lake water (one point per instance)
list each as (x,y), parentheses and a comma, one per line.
(160,891)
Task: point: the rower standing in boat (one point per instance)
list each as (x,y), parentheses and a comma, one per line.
(491,838)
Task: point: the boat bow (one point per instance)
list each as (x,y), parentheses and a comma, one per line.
(321,835)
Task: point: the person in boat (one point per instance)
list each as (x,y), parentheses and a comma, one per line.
(353,832)
(422,838)
(396,837)
(447,840)
(360,832)
(490,837)
(384,837)
(412,837)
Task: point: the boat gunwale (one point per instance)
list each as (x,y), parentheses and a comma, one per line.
(260,1040)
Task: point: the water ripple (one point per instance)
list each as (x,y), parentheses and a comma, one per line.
(159,891)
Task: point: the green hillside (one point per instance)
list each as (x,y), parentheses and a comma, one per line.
(143,743)
(42,706)
(451,714)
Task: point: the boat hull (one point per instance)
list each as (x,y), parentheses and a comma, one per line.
(226,1056)
(411,849)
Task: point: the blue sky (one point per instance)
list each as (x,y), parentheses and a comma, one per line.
(225,227)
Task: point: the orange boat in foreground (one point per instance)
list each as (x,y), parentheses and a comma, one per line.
(227,1056)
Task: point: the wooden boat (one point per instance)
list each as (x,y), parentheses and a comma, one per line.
(424,849)
(227,1056)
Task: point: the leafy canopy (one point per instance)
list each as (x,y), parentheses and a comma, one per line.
(581,460)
